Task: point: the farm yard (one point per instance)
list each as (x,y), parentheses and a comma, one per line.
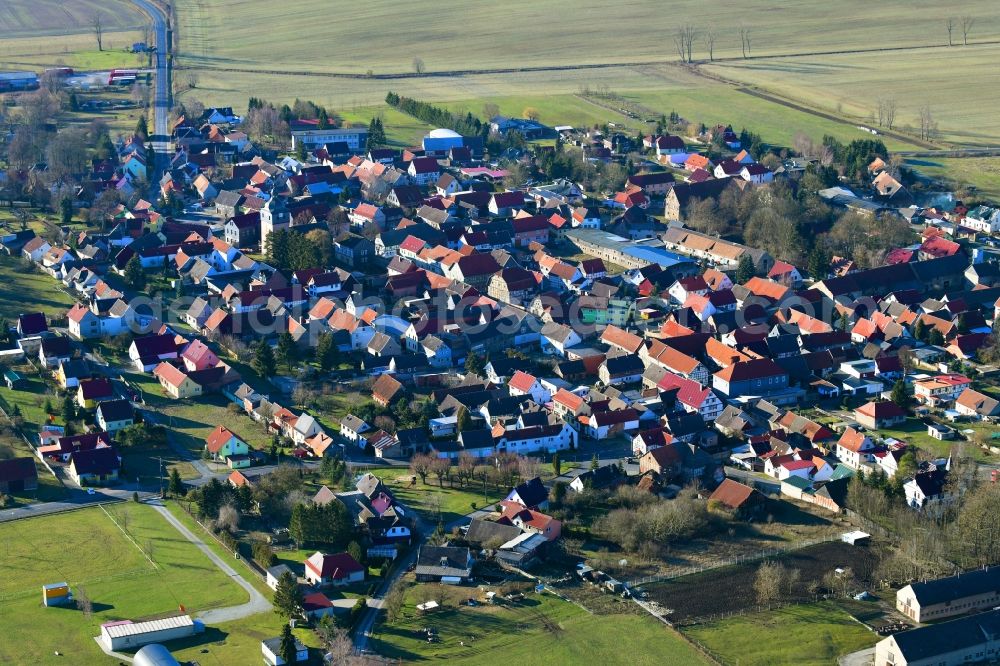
(126,560)
(521,631)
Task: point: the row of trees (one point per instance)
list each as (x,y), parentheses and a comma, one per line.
(687,35)
(467,125)
(327,524)
(503,471)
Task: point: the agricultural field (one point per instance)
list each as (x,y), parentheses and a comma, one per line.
(27,18)
(731,588)
(27,29)
(852,83)
(981,173)
(804,634)
(541,34)
(90,549)
(519,632)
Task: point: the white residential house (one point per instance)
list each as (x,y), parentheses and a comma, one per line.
(352,427)
(853,448)
(521,383)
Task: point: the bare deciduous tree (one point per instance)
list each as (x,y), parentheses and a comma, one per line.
(97,25)
(927,125)
(967,23)
(745,41)
(229,518)
(710,43)
(684,41)
(82,600)
(768,582)
(949,25)
(886,111)
(418,65)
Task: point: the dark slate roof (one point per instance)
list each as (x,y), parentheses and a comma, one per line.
(929,642)
(95,461)
(532,493)
(17,469)
(481,531)
(115,410)
(953,588)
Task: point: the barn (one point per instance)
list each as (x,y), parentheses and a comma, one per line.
(18,475)
(126,635)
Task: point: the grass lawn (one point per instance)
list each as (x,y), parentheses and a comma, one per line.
(433,502)
(29,291)
(249,574)
(237,643)
(802,634)
(30,399)
(519,633)
(915,433)
(88,550)
(193,420)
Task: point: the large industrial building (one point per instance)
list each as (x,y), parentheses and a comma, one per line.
(968,640)
(18,81)
(307,134)
(628,253)
(947,597)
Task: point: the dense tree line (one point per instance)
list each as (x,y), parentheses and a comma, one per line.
(291,250)
(328,524)
(467,125)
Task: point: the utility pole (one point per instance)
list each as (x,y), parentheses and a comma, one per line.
(161,476)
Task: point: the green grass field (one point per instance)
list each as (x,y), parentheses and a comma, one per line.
(982,173)
(453,503)
(540,625)
(87,549)
(805,634)
(531,33)
(914,432)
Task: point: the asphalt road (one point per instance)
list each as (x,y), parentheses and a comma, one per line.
(162,96)
(257,604)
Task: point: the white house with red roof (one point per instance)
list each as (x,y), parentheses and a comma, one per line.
(603,425)
(853,448)
(338,569)
(940,389)
(521,383)
(784,273)
(684,287)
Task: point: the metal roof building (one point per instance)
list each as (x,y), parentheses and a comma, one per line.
(127,634)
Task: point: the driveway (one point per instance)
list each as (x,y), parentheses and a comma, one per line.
(257,604)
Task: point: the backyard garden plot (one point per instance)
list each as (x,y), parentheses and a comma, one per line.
(731,588)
